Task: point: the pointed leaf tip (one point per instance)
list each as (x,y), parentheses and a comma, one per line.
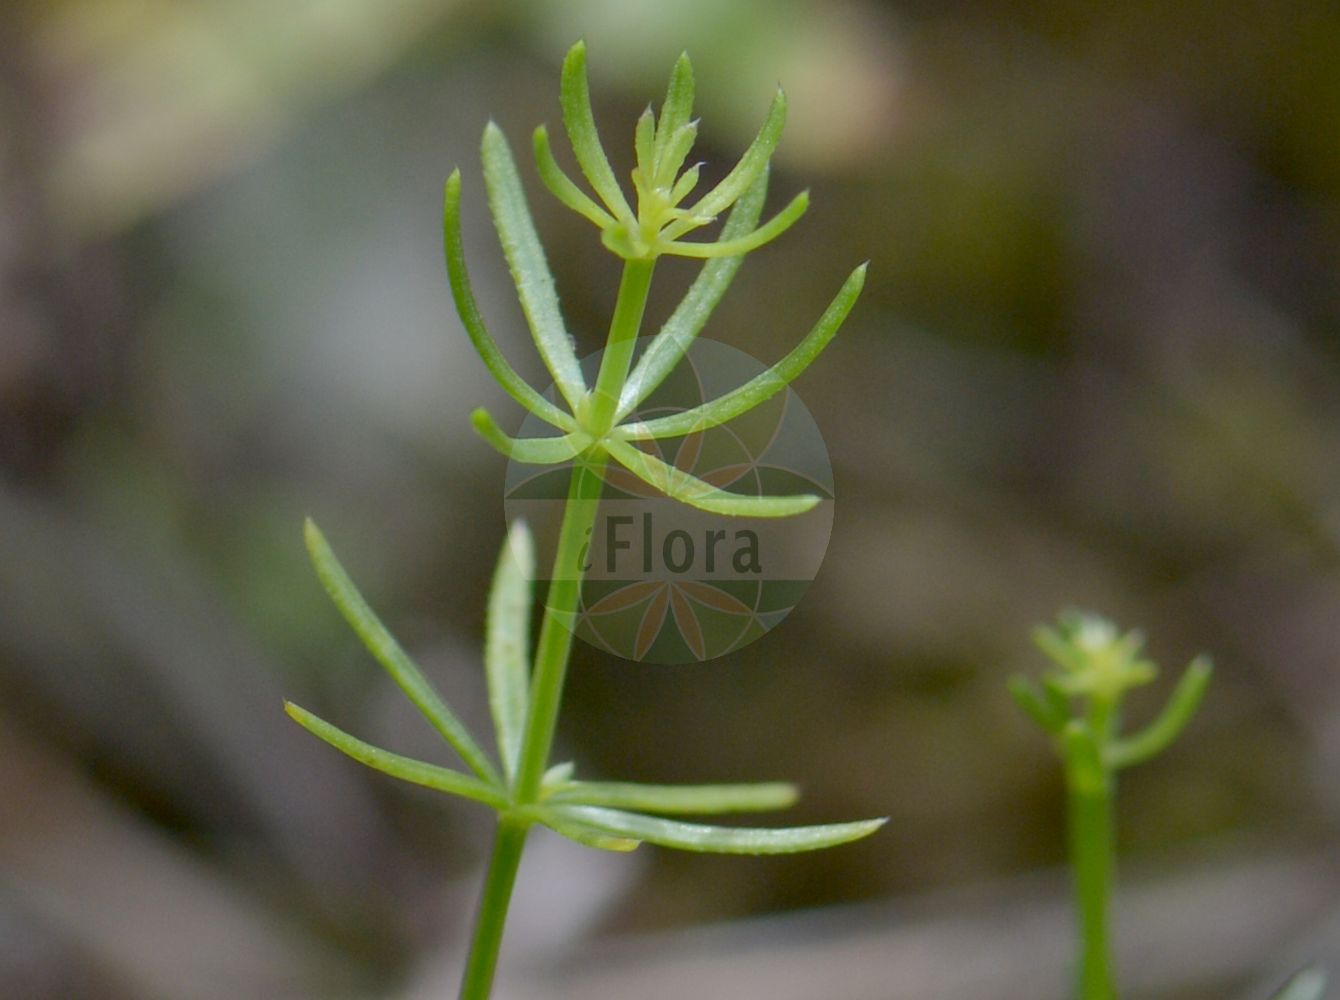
(1310,984)
(764,385)
(405,768)
(692,313)
(384,648)
(312,536)
(468,310)
(579,121)
(529,267)
(750,165)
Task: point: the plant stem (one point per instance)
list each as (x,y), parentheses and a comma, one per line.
(624,326)
(493,903)
(1092,863)
(554,646)
(555,642)
(560,613)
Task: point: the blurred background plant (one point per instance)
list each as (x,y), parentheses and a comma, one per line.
(1105,309)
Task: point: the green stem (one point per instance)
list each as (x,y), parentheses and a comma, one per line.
(551,663)
(560,611)
(560,618)
(493,903)
(624,327)
(1092,862)
(554,646)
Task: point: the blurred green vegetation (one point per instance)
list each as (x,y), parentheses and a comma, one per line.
(1096,364)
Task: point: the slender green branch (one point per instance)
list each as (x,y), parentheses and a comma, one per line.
(508,844)
(555,643)
(551,664)
(1092,858)
(560,611)
(634,287)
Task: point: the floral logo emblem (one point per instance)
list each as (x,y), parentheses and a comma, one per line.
(667,583)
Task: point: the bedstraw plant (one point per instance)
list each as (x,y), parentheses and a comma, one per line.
(1079,703)
(594,427)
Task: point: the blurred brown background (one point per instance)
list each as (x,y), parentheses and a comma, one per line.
(1096,364)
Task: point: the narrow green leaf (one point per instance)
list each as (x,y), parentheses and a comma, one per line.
(1058,649)
(644,146)
(587,835)
(580,123)
(743,175)
(763,386)
(459,279)
(677,799)
(673,341)
(1310,984)
(688,180)
(533,451)
(676,150)
(1035,706)
(530,270)
(765,233)
(675,114)
(679,485)
(507,643)
(1155,737)
(714,839)
(561,185)
(382,645)
(405,768)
